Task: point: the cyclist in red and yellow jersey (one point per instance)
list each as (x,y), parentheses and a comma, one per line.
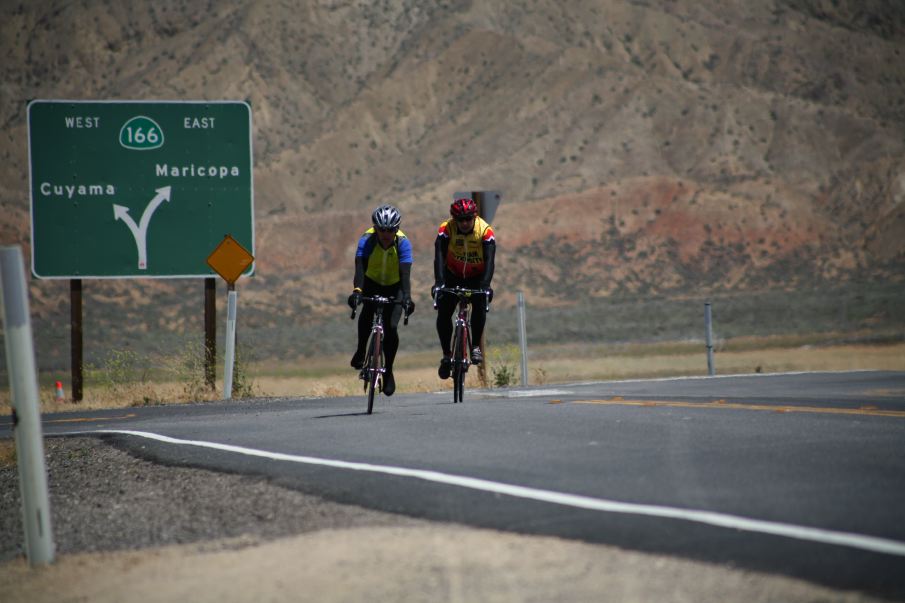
(463,256)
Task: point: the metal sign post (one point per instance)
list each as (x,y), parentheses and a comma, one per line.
(23,382)
(210,332)
(230,260)
(75,338)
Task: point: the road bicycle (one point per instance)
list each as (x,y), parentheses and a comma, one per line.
(461,343)
(374,368)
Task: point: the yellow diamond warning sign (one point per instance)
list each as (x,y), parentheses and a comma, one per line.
(230,259)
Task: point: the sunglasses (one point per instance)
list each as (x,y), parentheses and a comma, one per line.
(464,218)
(387,229)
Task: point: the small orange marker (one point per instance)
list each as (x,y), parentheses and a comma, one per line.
(60,394)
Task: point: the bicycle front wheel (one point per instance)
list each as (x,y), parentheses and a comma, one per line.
(374,370)
(460,366)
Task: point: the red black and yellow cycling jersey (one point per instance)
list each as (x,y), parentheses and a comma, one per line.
(465,257)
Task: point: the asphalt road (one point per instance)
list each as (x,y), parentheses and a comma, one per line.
(798,474)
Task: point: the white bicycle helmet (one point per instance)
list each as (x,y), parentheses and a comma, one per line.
(386,217)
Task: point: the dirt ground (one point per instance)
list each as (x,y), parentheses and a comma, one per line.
(442,563)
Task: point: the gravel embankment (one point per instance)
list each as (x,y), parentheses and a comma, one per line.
(104,499)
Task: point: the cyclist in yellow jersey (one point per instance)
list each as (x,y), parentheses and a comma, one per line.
(463,256)
(383,266)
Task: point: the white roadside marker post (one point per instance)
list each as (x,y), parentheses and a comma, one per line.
(230,359)
(229,259)
(23,384)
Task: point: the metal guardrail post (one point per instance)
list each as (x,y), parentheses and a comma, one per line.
(708,327)
(23,384)
(522,335)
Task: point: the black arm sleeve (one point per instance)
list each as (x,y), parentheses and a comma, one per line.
(489,253)
(359,280)
(405,278)
(441,245)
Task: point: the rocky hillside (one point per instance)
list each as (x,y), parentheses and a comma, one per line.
(641,146)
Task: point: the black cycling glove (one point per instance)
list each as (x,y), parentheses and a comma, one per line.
(354,299)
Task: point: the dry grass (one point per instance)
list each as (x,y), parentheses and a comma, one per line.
(561,364)
(122,396)
(770,360)
(329,377)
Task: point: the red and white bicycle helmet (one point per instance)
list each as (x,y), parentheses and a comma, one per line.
(463,208)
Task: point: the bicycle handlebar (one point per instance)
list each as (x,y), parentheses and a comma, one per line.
(463,293)
(380,301)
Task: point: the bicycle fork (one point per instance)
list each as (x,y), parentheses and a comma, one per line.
(463,345)
(373,369)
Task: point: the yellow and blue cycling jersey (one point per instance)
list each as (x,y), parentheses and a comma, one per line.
(382,265)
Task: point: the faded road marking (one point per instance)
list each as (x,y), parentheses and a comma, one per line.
(91,419)
(77,420)
(864,410)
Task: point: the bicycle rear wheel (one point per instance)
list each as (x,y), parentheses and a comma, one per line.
(374,367)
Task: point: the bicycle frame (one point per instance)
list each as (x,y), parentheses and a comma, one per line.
(373,370)
(461,343)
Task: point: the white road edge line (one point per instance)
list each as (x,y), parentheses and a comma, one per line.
(723,520)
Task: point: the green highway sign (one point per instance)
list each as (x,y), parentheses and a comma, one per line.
(135,189)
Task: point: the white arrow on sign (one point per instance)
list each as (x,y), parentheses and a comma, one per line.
(140,231)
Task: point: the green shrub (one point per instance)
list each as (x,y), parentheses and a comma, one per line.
(119,370)
(503,375)
(243,383)
(504,364)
